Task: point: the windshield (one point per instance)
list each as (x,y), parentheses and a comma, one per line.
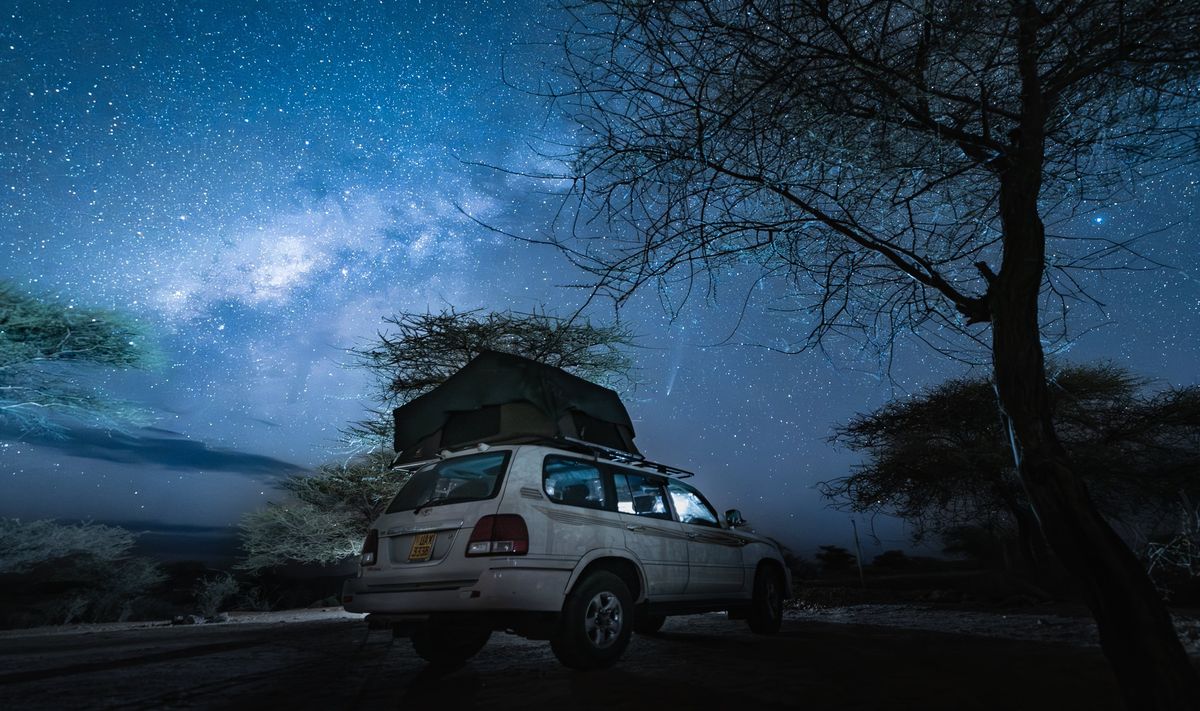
(460,479)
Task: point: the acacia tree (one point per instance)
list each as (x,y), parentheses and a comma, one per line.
(327,514)
(47,351)
(59,573)
(881,158)
(942,460)
(329,511)
(420,350)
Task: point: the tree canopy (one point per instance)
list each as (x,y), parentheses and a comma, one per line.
(59,573)
(327,514)
(420,350)
(48,352)
(854,151)
(943,459)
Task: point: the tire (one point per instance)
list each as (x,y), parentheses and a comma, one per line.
(648,624)
(766,609)
(448,645)
(596,623)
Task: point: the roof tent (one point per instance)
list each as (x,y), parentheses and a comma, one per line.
(499,397)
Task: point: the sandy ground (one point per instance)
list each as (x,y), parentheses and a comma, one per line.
(326,659)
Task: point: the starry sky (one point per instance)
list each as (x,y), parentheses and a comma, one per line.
(261,182)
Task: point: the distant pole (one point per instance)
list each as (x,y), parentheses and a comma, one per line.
(862,579)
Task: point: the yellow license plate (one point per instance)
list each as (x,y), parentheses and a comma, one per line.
(422,546)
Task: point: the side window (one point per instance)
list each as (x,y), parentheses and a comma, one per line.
(691,506)
(574,483)
(640,495)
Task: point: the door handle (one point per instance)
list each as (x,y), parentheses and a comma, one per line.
(632,527)
(691,535)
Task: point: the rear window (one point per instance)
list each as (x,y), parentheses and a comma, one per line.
(574,483)
(451,481)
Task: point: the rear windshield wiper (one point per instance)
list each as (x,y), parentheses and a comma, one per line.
(440,500)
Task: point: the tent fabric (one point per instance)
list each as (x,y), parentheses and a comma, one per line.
(502,397)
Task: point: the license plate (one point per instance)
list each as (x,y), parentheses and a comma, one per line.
(422,547)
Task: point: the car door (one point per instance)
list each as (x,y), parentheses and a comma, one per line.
(581,515)
(651,533)
(715,566)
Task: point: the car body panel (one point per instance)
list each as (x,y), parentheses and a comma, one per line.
(714,561)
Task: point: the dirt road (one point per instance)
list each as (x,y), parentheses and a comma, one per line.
(705,661)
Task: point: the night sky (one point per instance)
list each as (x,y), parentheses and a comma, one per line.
(262,182)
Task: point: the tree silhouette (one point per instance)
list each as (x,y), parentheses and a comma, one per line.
(48,351)
(879,158)
(942,460)
(835,559)
(420,350)
(59,573)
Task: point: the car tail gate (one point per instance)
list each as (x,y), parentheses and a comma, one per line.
(428,541)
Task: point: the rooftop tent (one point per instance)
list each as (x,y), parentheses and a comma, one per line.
(499,397)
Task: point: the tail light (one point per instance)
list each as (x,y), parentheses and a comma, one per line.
(502,534)
(370,549)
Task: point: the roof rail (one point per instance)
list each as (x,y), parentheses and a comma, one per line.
(619,456)
(622,457)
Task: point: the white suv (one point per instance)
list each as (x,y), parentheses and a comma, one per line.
(567,541)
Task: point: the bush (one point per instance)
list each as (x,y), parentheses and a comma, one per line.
(835,559)
(54,573)
(255,599)
(1173,561)
(213,593)
(27,545)
(893,560)
(297,533)
(974,543)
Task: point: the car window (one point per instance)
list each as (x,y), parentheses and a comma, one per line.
(691,506)
(640,495)
(574,482)
(452,480)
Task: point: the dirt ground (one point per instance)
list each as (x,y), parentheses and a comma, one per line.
(327,660)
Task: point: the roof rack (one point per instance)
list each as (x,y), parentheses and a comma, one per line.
(622,457)
(619,456)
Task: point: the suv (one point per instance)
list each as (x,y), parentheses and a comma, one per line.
(566,541)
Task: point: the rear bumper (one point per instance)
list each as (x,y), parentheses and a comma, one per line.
(497,589)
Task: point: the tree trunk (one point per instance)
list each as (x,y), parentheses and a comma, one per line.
(1136,632)
(1026,527)
(1026,541)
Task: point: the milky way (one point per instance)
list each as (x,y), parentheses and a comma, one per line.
(263,184)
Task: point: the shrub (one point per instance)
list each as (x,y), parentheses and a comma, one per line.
(892,560)
(1173,561)
(212,593)
(26,545)
(834,559)
(55,573)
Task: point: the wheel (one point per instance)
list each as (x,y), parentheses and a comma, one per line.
(648,624)
(595,624)
(448,645)
(766,609)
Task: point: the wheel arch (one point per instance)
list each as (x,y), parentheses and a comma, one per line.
(779,569)
(617,562)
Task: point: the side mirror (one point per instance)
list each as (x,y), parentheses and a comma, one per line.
(733,518)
